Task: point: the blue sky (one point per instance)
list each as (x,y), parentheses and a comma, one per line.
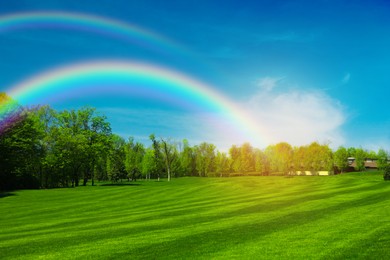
(305,70)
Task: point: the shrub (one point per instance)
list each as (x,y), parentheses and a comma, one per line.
(386,173)
(213,174)
(235,174)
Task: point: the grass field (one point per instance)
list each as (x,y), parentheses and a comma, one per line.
(306,217)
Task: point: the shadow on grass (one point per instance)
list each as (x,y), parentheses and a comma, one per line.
(213,241)
(6,194)
(373,246)
(218,240)
(121,184)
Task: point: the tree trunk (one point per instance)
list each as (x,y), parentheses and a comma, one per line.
(47,180)
(77,180)
(40,177)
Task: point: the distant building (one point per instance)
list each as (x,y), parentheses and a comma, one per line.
(310,173)
(369,164)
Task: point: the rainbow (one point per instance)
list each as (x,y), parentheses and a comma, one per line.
(93,24)
(125,76)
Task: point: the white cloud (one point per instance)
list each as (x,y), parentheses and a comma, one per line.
(346,78)
(298,117)
(267,83)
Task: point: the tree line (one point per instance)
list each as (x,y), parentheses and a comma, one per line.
(44,148)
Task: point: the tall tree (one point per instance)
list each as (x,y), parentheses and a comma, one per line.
(261,164)
(135,152)
(280,157)
(351,151)
(382,159)
(299,158)
(71,144)
(360,156)
(97,132)
(205,158)
(234,153)
(157,154)
(247,158)
(48,174)
(187,159)
(372,155)
(222,163)
(169,153)
(116,169)
(149,165)
(341,159)
(20,152)
(319,157)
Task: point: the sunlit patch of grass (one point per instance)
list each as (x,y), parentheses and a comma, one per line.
(344,216)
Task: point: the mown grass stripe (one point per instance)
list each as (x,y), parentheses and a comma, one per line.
(245,217)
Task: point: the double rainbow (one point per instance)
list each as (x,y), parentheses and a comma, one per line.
(93,24)
(140,77)
(133,78)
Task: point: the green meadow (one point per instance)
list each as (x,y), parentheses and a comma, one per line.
(307,217)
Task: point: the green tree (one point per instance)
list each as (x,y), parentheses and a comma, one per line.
(100,170)
(247,158)
(372,155)
(187,159)
(72,144)
(205,158)
(157,155)
(300,158)
(134,155)
(386,173)
(149,165)
(319,157)
(360,156)
(20,152)
(169,154)
(234,153)
(116,159)
(262,165)
(222,163)
(351,151)
(341,159)
(382,156)
(280,157)
(97,131)
(48,172)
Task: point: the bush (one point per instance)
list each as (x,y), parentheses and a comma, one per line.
(213,174)
(235,174)
(386,173)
